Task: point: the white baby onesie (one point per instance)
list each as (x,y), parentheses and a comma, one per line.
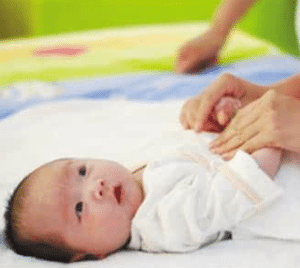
(192,197)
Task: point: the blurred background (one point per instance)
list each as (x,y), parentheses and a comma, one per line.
(272,20)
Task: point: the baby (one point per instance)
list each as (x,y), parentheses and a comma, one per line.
(75,209)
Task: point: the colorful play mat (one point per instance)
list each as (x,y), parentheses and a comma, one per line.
(112,51)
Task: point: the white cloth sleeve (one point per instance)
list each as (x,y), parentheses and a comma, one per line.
(188,207)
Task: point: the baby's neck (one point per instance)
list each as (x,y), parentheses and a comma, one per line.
(138,176)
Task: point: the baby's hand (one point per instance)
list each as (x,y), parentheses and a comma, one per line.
(226,109)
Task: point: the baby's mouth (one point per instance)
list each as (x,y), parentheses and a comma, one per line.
(118,193)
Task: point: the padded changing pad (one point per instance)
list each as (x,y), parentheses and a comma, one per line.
(127,118)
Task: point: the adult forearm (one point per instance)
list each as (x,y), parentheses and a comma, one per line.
(289,86)
(227,15)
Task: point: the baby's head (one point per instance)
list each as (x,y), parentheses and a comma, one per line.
(72,208)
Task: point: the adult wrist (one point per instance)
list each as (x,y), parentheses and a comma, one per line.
(217,39)
(289,86)
(220,31)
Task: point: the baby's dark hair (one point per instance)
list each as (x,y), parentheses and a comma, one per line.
(40,249)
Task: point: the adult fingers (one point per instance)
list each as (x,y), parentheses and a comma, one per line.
(183,66)
(254,127)
(241,124)
(192,64)
(236,142)
(255,117)
(183,117)
(193,59)
(206,107)
(186,59)
(199,64)
(188,111)
(259,141)
(183,121)
(225,85)
(235,137)
(187,118)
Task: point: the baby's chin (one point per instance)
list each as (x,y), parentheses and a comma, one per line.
(126,243)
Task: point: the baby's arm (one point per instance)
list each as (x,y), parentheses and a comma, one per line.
(268,159)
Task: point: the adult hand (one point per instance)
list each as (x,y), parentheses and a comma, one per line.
(199,53)
(199,112)
(271,121)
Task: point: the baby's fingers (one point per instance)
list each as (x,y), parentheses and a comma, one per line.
(226,109)
(205,111)
(224,86)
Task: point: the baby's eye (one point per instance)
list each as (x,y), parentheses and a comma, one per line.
(78,210)
(82,171)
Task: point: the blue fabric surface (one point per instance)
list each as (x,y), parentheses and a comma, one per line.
(142,86)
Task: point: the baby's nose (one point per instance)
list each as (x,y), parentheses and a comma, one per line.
(102,189)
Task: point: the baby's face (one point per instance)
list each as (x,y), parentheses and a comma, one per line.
(89,204)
